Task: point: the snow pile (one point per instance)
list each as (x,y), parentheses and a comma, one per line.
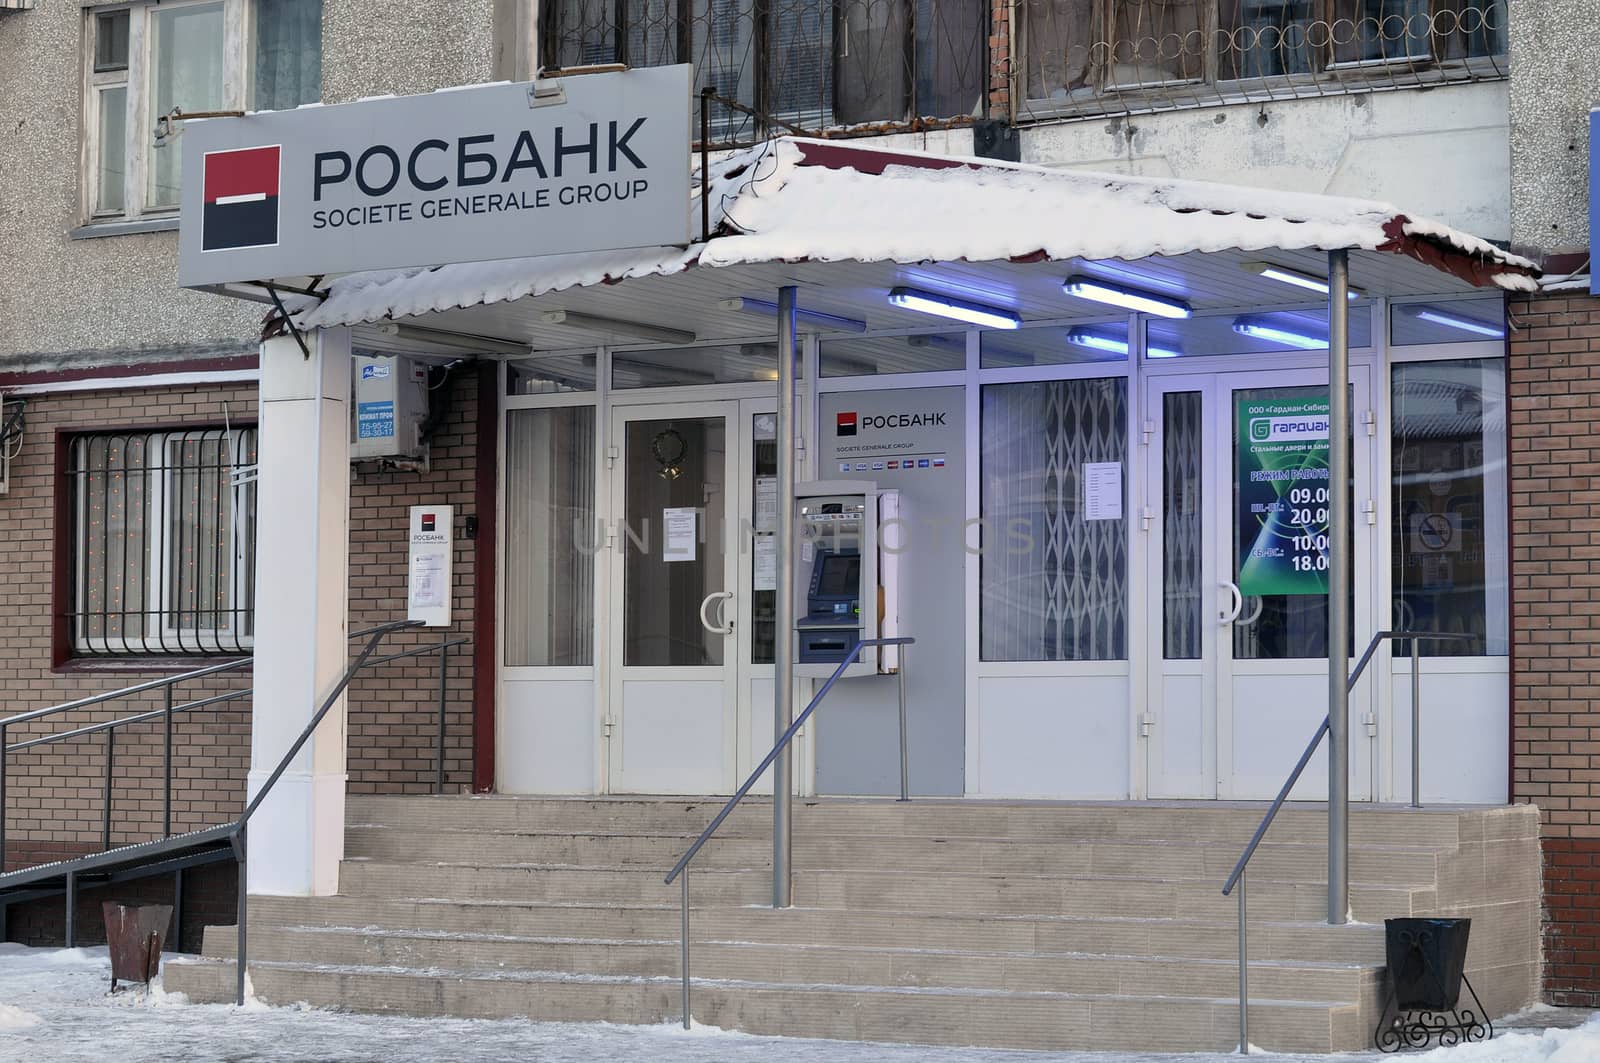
(12,1018)
(791,200)
(1581,1045)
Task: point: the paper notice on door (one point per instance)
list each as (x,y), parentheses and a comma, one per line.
(428,588)
(678,527)
(1102,490)
(766,563)
(766,503)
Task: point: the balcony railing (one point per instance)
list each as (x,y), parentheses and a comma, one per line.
(816,64)
(1083,58)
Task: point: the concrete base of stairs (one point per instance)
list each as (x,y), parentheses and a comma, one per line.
(1019,925)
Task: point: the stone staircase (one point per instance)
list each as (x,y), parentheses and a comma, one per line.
(1016,925)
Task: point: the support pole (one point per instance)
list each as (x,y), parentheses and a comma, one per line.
(1244,973)
(72,910)
(783,642)
(1416,723)
(166,766)
(905,756)
(1338,587)
(444,666)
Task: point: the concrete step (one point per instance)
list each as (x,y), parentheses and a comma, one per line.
(1192,821)
(1274,860)
(717,958)
(1125,896)
(1355,943)
(1023,1020)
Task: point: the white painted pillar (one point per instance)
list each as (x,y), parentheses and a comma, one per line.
(296,837)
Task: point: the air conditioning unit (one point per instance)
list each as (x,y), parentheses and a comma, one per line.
(390,394)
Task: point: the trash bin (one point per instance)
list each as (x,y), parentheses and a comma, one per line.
(135,934)
(1426,958)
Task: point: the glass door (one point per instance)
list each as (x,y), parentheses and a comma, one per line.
(1239,572)
(675,607)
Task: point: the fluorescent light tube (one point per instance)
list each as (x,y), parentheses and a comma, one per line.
(944,306)
(1101,341)
(1285,275)
(1435,316)
(615,326)
(1261,329)
(831,322)
(1127,298)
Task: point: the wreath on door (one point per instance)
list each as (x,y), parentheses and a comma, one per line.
(669,449)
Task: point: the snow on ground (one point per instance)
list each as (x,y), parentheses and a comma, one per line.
(54,1007)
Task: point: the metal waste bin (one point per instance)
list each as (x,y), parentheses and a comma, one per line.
(1426,958)
(135,934)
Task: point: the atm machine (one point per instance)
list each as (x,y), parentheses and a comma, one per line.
(848,576)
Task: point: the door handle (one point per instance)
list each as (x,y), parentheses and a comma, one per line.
(721,598)
(1228,616)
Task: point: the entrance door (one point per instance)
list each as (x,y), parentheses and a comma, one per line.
(1237,512)
(673,717)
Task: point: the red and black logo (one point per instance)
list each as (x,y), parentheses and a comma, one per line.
(241,199)
(427,522)
(847,424)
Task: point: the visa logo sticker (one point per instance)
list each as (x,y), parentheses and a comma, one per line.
(877,466)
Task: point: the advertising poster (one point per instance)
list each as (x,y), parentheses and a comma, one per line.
(1282,496)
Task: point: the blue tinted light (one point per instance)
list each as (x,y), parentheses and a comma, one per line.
(1127,298)
(1258,328)
(959,310)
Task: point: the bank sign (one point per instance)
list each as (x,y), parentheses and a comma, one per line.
(467,175)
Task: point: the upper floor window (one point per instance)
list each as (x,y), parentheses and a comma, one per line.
(162,546)
(146,60)
(1107,56)
(811,63)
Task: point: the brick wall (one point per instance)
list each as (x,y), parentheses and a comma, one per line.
(56,793)
(1000,58)
(1554,392)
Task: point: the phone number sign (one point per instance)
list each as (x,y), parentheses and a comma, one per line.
(1282,496)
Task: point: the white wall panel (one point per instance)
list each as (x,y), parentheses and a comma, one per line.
(546,735)
(1466,732)
(1053,736)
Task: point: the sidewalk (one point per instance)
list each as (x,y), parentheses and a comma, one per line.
(54,1006)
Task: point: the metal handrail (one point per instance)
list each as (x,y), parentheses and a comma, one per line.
(167,712)
(1237,878)
(682,866)
(234,831)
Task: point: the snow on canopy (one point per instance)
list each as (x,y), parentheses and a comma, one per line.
(793,199)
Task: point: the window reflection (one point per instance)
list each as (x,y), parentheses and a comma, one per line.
(1449,501)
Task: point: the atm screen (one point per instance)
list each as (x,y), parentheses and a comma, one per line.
(841,576)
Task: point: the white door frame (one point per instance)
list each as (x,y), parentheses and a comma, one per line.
(1213,676)
(671,738)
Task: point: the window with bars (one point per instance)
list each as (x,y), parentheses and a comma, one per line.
(163,542)
(813,63)
(1089,57)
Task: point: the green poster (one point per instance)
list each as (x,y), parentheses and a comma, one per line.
(1282,496)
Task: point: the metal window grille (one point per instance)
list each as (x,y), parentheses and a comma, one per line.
(1086,58)
(163,542)
(818,64)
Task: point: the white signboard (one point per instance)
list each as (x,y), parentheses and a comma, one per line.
(587,163)
(679,529)
(1102,490)
(428,570)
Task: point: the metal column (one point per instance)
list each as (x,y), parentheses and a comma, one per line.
(783,640)
(1339,504)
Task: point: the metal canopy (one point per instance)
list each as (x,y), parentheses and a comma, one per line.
(689,301)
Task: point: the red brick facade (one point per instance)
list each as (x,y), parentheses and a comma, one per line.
(1554,393)
(1000,59)
(55,793)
